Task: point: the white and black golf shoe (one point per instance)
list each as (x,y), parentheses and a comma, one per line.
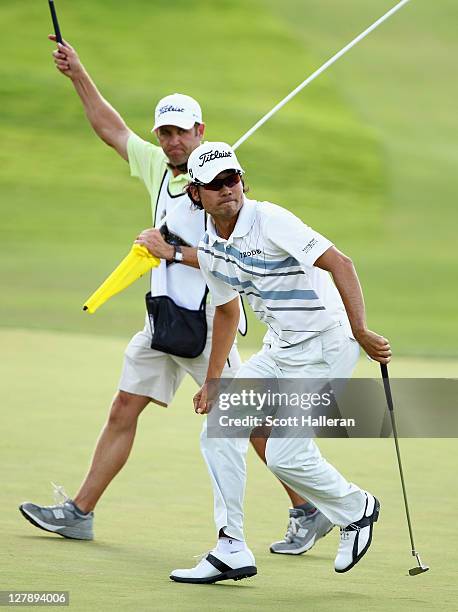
(216,566)
(356,538)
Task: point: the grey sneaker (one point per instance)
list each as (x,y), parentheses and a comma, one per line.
(63,518)
(304,530)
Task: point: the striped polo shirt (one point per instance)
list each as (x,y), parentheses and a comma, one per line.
(269,259)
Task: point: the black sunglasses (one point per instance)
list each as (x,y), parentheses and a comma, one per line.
(229,181)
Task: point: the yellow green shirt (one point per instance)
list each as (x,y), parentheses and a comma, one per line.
(149,163)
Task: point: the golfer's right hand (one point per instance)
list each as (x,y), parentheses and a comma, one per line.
(377,347)
(202,404)
(66,59)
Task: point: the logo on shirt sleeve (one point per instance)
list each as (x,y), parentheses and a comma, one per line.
(309,246)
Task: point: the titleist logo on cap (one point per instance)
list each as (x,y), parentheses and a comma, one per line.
(169,108)
(211,155)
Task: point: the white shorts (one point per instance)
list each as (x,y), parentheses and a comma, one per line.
(158,375)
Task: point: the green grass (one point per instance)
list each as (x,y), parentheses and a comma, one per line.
(158,512)
(366,154)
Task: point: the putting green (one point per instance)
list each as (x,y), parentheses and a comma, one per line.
(367,155)
(158,512)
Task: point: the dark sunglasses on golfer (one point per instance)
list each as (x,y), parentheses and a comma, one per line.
(229,181)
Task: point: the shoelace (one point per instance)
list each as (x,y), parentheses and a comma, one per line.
(202,555)
(345,531)
(60,496)
(293,527)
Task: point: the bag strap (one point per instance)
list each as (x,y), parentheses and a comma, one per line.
(158,197)
(206,292)
(204,299)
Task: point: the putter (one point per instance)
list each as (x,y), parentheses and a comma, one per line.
(420,568)
(55,22)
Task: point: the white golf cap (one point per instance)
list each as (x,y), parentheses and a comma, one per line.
(211,158)
(177,109)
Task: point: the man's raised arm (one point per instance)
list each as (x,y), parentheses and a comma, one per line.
(105,120)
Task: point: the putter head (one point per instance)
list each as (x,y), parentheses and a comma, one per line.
(420,569)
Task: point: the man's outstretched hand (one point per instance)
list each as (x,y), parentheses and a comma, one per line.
(66,59)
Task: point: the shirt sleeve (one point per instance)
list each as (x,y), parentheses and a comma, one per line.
(220,291)
(293,236)
(145,160)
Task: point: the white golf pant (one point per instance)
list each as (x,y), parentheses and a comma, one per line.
(296,461)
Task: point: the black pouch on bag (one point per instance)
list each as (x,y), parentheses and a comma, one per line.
(176,330)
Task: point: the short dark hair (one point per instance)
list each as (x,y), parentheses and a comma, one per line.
(197,204)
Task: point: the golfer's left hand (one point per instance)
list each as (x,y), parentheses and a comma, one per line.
(377,347)
(152,239)
(202,403)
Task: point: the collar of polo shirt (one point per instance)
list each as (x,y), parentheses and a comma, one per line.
(242,227)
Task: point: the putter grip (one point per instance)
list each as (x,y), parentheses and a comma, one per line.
(386,385)
(55,21)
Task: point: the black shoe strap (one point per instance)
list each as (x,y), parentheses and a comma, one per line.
(220,565)
(357,525)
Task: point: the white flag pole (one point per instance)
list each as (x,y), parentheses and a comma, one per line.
(320,70)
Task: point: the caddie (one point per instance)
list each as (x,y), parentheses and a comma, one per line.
(154,363)
(308,294)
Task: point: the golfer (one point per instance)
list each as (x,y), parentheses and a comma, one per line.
(150,375)
(284,269)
